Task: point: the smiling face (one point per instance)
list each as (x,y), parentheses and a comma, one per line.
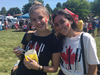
(62,25)
(39,20)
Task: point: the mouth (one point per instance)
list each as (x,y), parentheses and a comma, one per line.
(40,25)
(62,29)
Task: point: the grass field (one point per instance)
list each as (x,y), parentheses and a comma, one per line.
(10,39)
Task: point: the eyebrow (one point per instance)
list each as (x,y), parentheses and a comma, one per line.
(59,21)
(32,18)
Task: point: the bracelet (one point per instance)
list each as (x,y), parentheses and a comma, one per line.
(41,69)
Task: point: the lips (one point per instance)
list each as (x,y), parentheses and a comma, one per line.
(62,29)
(40,25)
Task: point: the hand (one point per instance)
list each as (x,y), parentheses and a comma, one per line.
(17,52)
(31,64)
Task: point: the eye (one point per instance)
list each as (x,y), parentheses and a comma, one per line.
(33,19)
(56,25)
(62,22)
(40,17)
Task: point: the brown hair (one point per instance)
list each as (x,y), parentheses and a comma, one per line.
(67,16)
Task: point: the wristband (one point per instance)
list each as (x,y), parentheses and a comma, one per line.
(41,69)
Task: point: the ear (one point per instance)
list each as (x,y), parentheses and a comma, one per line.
(71,22)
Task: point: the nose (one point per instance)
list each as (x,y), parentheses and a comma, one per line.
(60,26)
(38,21)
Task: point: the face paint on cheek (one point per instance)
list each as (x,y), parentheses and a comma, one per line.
(67,24)
(45,20)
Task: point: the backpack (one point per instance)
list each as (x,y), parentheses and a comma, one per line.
(98,70)
(28,37)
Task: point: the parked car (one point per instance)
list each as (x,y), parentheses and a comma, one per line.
(1,23)
(11,24)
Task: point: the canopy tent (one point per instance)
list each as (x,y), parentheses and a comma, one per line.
(24,16)
(73,15)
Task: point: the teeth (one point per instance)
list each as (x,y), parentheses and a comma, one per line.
(40,25)
(62,29)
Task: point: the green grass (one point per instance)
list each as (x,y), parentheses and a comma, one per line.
(10,39)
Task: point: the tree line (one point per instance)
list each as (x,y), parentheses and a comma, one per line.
(80,7)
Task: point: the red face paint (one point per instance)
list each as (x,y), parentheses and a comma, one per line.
(67,24)
(45,20)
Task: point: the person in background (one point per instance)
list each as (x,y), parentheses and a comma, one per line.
(71,57)
(90,28)
(43,41)
(85,26)
(6,24)
(26,22)
(53,31)
(94,23)
(80,24)
(16,25)
(25,28)
(98,27)
(21,24)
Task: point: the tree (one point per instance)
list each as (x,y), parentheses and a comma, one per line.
(3,11)
(31,1)
(79,7)
(95,7)
(26,7)
(13,11)
(56,9)
(64,5)
(48,8)
(58,5)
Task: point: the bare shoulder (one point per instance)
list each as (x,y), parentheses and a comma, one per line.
(30,31)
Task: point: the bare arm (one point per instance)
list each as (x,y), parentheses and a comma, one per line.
(55,63)
(18,52)
(32,64)
(23,46)
(92,70)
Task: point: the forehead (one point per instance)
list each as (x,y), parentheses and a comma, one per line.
(58,18)
(37,12)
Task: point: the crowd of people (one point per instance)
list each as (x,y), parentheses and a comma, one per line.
(24,25)
(20,25)
(90,27)
(64,49)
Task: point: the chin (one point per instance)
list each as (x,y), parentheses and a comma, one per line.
(64,33)
(42,29)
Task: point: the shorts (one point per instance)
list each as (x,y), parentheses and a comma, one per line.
(93,30)
(6,27)
(90,31)
(21,27)
(98,28)
(85,29)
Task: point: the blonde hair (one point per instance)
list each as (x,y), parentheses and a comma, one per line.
(36,2)
(37,5)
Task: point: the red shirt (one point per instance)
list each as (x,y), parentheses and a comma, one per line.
(89,26)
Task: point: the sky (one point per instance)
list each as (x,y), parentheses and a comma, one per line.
(19,3)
